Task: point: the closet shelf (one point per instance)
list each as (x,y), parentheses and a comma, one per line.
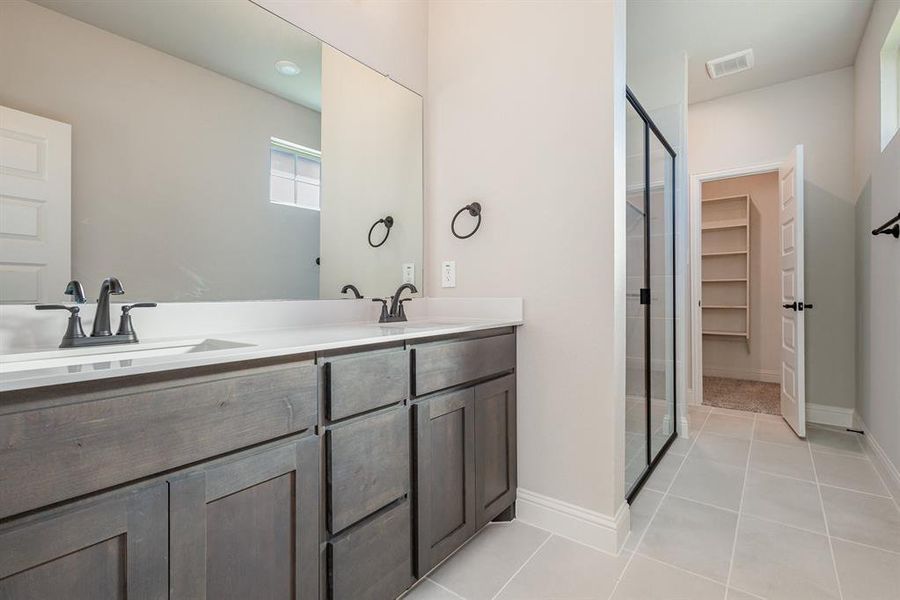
(737,280)
(726,306)
(729,253)
(728,224)
(727,315)
(722,198)
(741,334)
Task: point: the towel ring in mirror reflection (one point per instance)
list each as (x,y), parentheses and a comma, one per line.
(388,223)
(475,211)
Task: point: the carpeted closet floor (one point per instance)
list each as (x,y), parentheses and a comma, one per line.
(740,394)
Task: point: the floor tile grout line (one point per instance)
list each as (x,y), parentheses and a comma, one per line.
(706,504)
(828,485)
(846,489)
(737,589)
(884,482)
(870,546)
(637,544)
(683,570)
(445,588)
(519,570)
(837,577)
(737,525)
(574,541)
(782,523)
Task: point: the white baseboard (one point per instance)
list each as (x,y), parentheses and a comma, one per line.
(883,462)
(748,374)
(588,527)
(829,415)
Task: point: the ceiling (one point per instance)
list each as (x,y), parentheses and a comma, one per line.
(790,38)
(235,38)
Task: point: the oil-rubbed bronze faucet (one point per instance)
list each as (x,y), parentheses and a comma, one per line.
(396,313)
(101,333)
(110,285)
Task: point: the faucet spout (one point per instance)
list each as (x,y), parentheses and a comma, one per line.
(395,299)
(109,286)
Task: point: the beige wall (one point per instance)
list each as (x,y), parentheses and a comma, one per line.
(760,358)
(387,35)
(877,187)
(554,216)
(159,147)
(371,168)
(762,126)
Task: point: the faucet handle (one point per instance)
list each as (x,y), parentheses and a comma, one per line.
(73,329)
(128,307)
(72,309)
(401,314)
(125,327)
(384,309)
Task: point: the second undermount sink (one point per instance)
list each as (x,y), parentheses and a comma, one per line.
(74,357)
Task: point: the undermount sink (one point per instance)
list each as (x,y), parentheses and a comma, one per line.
(77,357)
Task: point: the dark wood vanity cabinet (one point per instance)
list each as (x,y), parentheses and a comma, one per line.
(495,447)
(445,475)
(247,527)
(114,546)
(368,522)
(465,446)
(339,476)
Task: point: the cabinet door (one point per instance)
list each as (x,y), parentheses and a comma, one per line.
(248,527)
(111,547)
(445,469)
(495,446)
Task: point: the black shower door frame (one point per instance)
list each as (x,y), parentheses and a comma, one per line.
(652,462)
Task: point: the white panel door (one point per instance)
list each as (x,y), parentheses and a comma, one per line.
(35,207)
(790,219)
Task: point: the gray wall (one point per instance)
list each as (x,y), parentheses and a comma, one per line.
(170,164)
(877,182)
(762,126)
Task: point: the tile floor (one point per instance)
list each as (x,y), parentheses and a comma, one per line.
(741,510)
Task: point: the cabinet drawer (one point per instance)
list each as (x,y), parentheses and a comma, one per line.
(368,466)
(440,365)
(102,434)
(362,382)
(372,561)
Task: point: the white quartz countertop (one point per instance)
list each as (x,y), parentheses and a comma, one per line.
(208,349)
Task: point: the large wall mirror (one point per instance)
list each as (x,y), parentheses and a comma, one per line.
(218,153)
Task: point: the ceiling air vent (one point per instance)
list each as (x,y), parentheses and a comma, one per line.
(730,64)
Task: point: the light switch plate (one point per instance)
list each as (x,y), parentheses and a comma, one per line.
(448,274)
(409,273)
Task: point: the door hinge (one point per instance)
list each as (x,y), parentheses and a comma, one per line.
(645,295)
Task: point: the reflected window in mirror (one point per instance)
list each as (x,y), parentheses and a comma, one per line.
(295,175)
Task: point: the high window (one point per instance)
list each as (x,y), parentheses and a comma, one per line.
(295,173)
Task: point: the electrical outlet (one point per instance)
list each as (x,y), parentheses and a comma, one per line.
(448,274)
(409,273)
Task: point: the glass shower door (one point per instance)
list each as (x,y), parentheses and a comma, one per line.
(650,424)
(636,457)
(662,294)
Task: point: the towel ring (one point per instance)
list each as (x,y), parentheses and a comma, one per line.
(474,210)
(388,223)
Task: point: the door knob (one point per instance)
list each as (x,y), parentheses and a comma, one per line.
(792,306)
